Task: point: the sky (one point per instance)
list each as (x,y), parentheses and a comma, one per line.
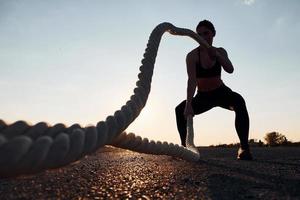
(78,61)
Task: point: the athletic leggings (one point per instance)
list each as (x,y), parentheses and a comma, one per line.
(223,97)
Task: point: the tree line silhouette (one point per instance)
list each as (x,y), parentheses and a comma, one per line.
(271,139)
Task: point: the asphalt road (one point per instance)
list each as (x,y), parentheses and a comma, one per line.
(113,173)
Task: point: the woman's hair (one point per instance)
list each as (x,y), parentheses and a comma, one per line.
(208,25)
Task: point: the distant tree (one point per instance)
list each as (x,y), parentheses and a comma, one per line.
(260,143)
(252,141)
(255,143)
(275,139)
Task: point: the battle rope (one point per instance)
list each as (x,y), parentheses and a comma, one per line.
(26,149)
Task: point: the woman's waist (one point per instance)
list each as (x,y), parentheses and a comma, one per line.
(209,84)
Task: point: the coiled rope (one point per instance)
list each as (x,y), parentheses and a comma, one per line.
(27,149)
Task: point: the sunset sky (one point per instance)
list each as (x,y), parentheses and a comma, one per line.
(77,62)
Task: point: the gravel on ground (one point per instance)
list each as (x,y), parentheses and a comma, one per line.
(113,173)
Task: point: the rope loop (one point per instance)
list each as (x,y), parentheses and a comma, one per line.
(26,148)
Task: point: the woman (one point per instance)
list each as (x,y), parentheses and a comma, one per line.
(204,72)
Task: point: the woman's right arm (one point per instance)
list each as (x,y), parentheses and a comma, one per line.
(191,83)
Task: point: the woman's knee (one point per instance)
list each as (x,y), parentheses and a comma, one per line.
(238,102)
(180,108)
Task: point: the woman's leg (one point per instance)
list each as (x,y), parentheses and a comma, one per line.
(181,121)
(234,101)
(241,119)
(199,105)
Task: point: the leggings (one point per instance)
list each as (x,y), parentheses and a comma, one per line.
(223,97)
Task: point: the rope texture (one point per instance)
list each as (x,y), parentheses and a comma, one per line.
(27,149)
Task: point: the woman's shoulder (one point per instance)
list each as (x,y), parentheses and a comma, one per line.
(222,50)
(192,56)
(193,52)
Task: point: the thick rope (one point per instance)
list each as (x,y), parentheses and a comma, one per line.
(26,149)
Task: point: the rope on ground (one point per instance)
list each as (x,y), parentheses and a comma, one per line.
(27,149)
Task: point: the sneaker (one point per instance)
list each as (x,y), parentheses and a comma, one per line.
(244,154)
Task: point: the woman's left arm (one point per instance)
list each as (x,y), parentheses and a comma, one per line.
(223,59)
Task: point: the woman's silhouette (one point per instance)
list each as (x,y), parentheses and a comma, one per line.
(204,72)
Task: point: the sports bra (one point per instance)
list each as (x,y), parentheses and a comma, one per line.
(205,73)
